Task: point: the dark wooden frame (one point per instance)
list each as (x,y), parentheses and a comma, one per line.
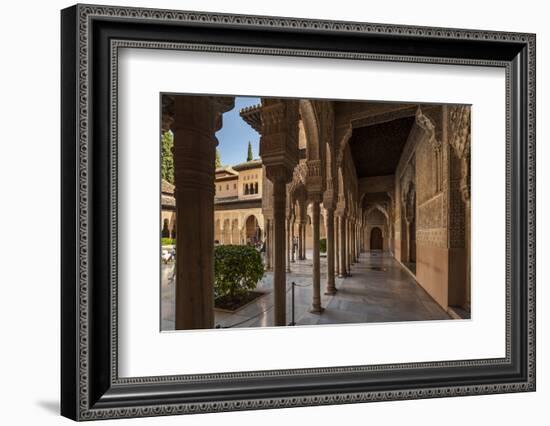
(90,387)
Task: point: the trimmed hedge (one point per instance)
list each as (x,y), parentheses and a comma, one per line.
(237,270)
(167,241)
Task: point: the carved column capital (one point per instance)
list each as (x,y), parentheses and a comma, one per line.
(279,137)
(314,176)
(426,124)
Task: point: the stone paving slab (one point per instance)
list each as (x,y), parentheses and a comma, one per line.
(368,295)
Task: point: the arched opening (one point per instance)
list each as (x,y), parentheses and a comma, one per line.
(226,237)
(252,230)
(376,239)
(235,234)
(376,227)
(165,233)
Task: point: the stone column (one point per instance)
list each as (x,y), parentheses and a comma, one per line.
(272,243)
(337,245)
(279,153)
(331,285)
(268,247)
(352,241)
(356,241)
(279,275)
(316,304)
(293,254)
(355,253)
(196,120)
(303,239)
(288,243)
(343,248)
(348,246)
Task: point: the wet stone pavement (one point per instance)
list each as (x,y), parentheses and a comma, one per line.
(378,290)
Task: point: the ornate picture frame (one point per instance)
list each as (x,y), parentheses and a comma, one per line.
(91,387)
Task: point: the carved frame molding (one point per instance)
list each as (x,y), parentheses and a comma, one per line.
(91,388)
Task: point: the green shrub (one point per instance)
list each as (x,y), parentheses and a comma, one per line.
(323,245)
(237,270)
(167,241)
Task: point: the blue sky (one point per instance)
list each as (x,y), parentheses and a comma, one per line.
(235,134)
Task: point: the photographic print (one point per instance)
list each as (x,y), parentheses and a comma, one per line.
(301,212)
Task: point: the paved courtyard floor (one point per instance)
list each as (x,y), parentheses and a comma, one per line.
(378,290)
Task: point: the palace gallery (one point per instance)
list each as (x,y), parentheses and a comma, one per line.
(368,203)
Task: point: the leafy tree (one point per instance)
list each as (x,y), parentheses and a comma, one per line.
(237,270)
(167,157)
(249,156)
(218,159)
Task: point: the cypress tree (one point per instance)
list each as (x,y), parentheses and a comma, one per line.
(249,156)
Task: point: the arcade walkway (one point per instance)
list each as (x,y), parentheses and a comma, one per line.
(379,290)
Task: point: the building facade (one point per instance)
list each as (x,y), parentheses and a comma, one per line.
(238,217)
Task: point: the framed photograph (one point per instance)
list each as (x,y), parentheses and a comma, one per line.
(263,212)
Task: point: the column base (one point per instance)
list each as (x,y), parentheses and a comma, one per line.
(331,292)
(318,310)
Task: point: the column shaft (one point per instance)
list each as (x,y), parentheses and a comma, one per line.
(343,248)
(288,245)
(279,273)
(194,158)
(268,247)
(337,246)
(293,254)
(304,224)
(331,286)
(316,303)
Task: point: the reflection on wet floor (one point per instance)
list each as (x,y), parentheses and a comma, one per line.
(379,290)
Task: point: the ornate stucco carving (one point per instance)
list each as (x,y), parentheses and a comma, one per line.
(460,140)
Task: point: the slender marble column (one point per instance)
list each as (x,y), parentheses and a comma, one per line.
(279,274)
(337,246)
(272,243)
(355,245)
(293,254)
(331,286)
(268,247)
(304,224)
(316,304)
(300,240)
(348,246)
(343,248)
(288,244)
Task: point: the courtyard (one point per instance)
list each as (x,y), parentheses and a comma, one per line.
(379,290)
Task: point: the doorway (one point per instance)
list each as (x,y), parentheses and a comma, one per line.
(376,239)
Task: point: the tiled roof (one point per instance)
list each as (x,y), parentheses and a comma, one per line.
(166,187)
(254,164)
